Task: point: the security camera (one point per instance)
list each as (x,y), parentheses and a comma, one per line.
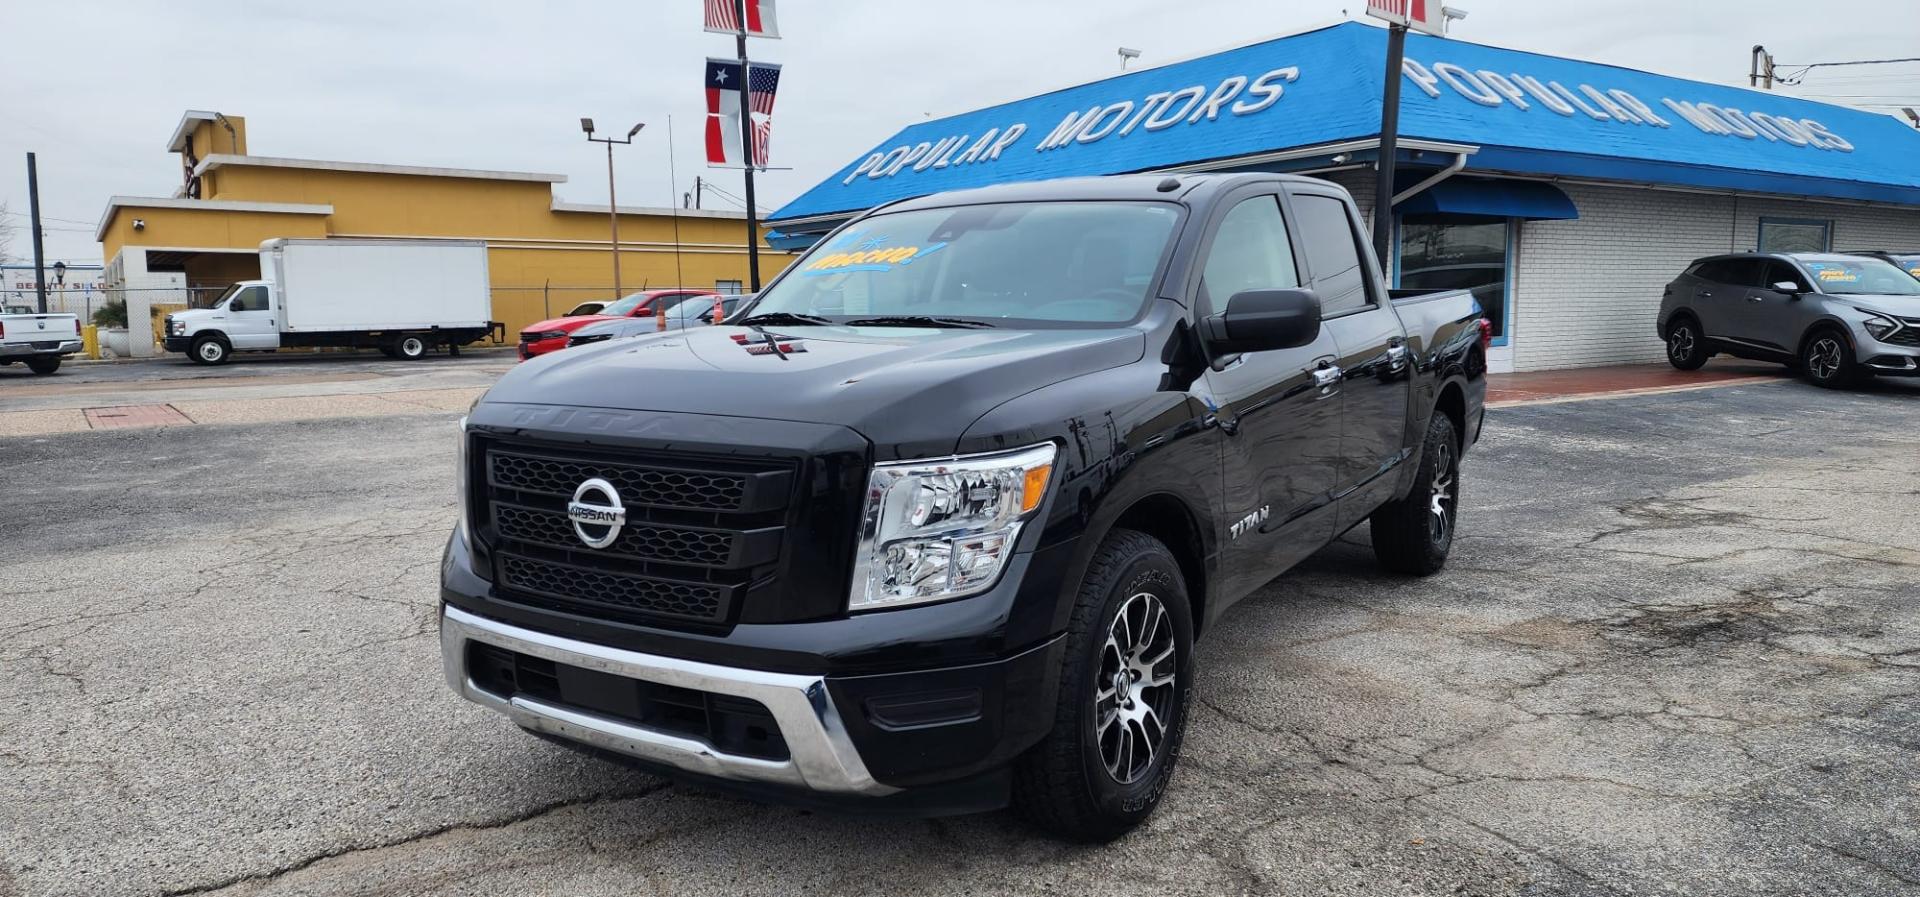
(139,224)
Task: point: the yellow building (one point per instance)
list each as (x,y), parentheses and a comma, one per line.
(545,256)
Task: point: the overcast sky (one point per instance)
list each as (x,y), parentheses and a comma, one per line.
(96,88)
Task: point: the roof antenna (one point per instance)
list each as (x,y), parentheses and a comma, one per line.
(1168,185)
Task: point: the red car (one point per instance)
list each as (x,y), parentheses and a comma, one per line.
(551,335)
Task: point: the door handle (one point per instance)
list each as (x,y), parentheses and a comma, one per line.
(1705,294)
(1752,298)
(1327,376)
(1397,355)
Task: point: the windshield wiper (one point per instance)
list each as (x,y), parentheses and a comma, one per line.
(779,317)
(915,321)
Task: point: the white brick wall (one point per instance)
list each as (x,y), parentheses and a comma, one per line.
(1587,291)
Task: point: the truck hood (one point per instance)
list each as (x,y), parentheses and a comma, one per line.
(906,389)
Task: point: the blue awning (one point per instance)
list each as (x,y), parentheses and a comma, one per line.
(1491,198)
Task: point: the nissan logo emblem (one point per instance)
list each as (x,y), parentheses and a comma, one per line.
(597,513)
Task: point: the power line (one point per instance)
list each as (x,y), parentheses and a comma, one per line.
(1801,74)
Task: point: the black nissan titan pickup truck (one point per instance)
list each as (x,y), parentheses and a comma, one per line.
(934,523)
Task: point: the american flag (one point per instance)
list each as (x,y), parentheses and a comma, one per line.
(724,17)
(723,111)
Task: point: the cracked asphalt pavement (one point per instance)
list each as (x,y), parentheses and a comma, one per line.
(1677,652)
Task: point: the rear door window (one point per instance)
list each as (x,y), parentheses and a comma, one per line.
(1333,253)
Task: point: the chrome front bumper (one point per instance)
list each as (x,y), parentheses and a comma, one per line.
(17,350)
(822,759)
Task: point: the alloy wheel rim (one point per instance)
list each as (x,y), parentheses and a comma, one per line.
(1680,342)
(1134,688)
(1443,494)
(1824,358)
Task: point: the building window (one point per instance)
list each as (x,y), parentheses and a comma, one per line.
(1795,235)
(729,287)
(1472,254)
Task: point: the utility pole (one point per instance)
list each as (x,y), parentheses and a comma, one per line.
(33,221)
(1760,68)
(746,143)
(1389,146)
(613,203)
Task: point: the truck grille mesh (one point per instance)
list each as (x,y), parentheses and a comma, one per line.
(658,487)
(678,546)
(632,593)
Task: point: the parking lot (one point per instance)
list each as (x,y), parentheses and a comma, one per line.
(1676,652)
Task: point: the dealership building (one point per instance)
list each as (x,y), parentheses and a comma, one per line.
(1566,194)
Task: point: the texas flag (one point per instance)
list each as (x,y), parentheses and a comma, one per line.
(723,111)
(723,16)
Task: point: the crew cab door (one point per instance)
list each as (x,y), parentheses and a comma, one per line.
(1278,414)
(250,318)
(1373,357)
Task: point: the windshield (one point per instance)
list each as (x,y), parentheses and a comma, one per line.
(625,306)
(1861,276)
(225,294)
(1040,264)
(1908,263)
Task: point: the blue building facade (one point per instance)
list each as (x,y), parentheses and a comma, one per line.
(1534,180)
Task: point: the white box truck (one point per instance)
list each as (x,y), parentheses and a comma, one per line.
(402,297)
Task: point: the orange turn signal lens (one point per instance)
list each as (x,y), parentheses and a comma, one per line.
(1035,487)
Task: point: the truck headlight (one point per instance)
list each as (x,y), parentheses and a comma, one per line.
(1880,326)
(944,527)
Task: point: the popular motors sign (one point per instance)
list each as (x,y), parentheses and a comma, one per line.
(1193,105)
(1615,106)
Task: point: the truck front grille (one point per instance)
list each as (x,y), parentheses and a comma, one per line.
(699,531)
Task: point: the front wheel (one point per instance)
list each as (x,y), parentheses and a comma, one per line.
(44,364)
(1828,360)
(1414,534)
(211,350)
(1122,707)
(410,348)
(1686,346)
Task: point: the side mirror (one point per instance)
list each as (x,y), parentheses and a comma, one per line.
(1263,320)
(1788,287)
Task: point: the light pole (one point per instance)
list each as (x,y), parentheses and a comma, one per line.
(613,205)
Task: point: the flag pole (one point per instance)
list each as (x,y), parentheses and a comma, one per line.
(746,143)
(673,207)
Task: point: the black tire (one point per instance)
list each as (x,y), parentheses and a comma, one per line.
(1067,784)
(1826,358)
(409,347)
(1413,535)
(210,350)
(1686,344)
(43,364)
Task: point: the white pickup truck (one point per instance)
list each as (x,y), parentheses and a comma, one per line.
(37,339)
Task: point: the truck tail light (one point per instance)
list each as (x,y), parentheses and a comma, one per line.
(1486,333)
(3,330)
(76,327)
(660,317)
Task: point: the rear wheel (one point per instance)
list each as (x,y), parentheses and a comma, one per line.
(1414,534)
(1827,359)
(1686,345)
(410,347)
(1122,707)
(44,364)
(211,350)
